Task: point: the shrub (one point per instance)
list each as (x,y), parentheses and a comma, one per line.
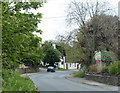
(80,74)
(114,68)
(97,68)
(92,68)
(104,70)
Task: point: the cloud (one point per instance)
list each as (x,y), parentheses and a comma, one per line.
(53,22)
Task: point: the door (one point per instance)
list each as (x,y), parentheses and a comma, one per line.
(77,66)
(67,66)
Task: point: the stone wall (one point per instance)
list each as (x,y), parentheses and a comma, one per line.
(28,70)
(103,78)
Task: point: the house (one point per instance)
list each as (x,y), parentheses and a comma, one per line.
(69,65)
(63,64)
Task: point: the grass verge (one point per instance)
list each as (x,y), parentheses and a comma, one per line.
(12,81)
(79,74)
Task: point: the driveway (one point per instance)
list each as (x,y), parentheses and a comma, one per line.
(57,82)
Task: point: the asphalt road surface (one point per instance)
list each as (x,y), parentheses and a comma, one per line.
(55,81)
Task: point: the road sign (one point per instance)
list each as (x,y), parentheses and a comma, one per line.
(97,57)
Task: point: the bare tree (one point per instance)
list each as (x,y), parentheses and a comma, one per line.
(79,13)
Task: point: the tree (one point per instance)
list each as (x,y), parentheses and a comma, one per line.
(61,50)
(51,55)
(78,48)
(17,38)
(32,58)
(105,37)
(81,14)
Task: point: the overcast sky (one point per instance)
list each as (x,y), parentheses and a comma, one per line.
(54,14)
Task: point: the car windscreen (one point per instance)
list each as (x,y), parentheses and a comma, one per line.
(50,67)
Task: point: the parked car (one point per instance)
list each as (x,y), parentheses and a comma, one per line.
(51,69)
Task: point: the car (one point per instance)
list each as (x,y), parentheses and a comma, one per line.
(51,69)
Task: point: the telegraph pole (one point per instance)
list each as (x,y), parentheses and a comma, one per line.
(119,30)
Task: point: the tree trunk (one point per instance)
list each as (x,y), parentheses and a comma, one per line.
(118,39)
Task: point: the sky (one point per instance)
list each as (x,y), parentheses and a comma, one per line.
(54,14)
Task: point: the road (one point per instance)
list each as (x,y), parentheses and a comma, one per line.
(57,82)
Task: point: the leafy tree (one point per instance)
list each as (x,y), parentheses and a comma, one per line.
(51,55)
(33,58)
(61,50)
(17,38)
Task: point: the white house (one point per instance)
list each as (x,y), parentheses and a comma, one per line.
(69,65)
(63,64)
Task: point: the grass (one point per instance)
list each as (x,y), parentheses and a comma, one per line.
(79,74)
(14,82)
(61,69)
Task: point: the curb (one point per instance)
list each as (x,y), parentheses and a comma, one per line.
(90,82)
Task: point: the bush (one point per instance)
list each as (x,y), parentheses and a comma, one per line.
(104,70)
(97,68)
(14,82)
(114,68)
(80,74)
(92,68)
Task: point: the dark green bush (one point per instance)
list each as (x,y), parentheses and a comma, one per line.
(114,68)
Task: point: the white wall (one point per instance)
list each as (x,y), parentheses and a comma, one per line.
(70,65)
(73,65)
(60,65)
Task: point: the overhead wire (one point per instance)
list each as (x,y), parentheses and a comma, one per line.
(54,17)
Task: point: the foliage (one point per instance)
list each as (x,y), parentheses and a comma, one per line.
(17,38)
(13,82)
(61,49)
(51,55)
(80,74)
(33,58)
(114,68)
(107,57)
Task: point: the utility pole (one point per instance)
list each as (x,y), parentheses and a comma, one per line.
(119,30)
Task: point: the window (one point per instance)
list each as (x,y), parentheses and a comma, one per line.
(75,64)
(70,65)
